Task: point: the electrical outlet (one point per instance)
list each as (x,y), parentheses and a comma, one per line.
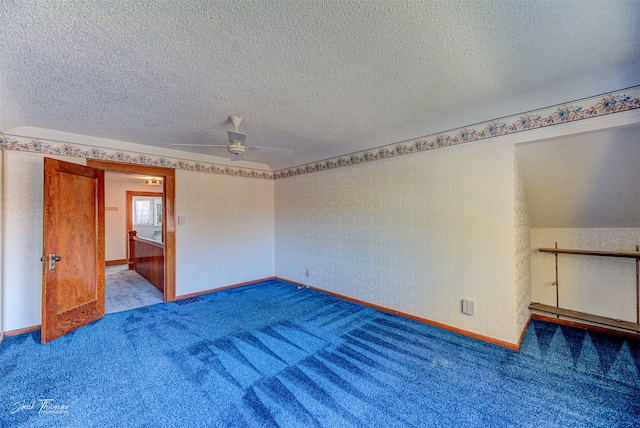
(307,273)
(467,306)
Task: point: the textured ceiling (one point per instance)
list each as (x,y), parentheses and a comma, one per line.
(324,78)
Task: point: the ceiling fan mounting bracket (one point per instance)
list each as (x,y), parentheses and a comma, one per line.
(236,121)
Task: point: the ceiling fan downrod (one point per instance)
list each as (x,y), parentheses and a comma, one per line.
(236,121)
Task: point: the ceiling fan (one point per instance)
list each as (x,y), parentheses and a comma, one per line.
(236,145)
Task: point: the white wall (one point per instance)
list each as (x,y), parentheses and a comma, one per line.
(228,234)
(522,252)
(583,191)
(115,195)
(1,245)
(23,198)
(597,285)
(585,180)
(415,233)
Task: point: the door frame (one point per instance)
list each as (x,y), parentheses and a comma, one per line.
(168,213)
(129,213)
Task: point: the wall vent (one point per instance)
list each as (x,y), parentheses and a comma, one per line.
(187,301)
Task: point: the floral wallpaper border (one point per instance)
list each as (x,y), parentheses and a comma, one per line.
(66,149)
(627,99)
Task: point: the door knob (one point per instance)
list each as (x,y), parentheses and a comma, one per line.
(52,260)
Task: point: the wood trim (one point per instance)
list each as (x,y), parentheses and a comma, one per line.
(226,287)
(129,216)
(423,320)
(115,262)
(151,242)
(597,319)
(509,345)
(168,208)
(129,210)
(584,326)
(524,331)
(169,236)
(626,254)
(22,330)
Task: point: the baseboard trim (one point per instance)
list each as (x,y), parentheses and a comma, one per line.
(115,262)
(584,326)
(184,296)
(509,345)
(226,287)
(21,331)
(524,331)
(494,341)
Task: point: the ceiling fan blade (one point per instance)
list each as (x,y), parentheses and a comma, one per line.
(200,145)
(271,150)
(236,136)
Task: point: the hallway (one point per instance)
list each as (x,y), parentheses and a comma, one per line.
(125,289)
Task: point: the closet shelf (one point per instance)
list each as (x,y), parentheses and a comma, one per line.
(611,322)
(569,313)
(627,254)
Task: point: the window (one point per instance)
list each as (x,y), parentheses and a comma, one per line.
(142,213)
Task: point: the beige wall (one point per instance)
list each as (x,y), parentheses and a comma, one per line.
(1,244)
(416,234)
(598,285)
(228,231)
(522,253)
(23,197)
(227,238)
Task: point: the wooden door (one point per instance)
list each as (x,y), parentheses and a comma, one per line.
(73,247)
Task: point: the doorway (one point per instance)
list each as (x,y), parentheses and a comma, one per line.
(168,218)
(134,272)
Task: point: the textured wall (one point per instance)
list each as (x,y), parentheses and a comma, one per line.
(1,247)
(598,285)
(522,253)
(416,234)
(23,197)
(227,238)
(228,234)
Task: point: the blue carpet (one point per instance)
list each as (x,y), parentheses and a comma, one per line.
(269,355)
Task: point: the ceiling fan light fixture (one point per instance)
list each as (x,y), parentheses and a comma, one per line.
(236,148)
(236,145)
